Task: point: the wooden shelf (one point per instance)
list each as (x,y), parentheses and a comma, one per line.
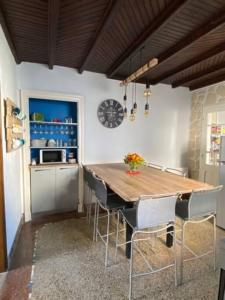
(53,123)
(11,123)
(68,147)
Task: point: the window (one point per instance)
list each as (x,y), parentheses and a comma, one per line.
(215,129)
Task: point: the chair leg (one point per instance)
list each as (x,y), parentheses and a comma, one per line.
(175,255)
(182,251)
(131,271)
(221,294)
(117,234)
(214,241)
(107,239)
(94,227)
(90,206)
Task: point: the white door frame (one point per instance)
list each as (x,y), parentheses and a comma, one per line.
(24,98)
(206,110)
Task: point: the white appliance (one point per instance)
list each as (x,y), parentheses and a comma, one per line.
(221,200)
(52,156)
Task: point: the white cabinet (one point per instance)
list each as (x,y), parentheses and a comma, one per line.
(66,187)
(42,189)
(54,188)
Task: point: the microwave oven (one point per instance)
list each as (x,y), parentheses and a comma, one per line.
(52,156)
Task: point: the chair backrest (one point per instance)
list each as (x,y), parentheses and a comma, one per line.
(155,211)
(100,190)
(203,202)
(159,167)
(89,178)
(178,172)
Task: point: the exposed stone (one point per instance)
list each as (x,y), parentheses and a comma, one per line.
(220,90)
(210,99)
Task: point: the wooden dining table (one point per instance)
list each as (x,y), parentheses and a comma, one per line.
(150,182)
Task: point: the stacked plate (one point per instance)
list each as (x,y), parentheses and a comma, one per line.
(38,143)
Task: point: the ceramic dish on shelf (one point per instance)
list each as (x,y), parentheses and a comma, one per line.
(38,143)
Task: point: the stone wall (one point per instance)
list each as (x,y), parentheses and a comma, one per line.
(202,98)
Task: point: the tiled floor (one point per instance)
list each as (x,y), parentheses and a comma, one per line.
(15,285)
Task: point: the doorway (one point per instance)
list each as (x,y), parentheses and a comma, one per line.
(212,130)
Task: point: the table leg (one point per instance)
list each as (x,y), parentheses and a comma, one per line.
(129,232)
(222,285)
(169,237)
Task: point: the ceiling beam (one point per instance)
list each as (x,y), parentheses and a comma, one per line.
(208,81)
(53,18)
(205,55)
(146,35)
(104,24)
(198,75)
(8,36)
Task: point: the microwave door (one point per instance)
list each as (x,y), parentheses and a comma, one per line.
(52,156)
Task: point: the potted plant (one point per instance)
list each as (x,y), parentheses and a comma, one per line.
(134,161)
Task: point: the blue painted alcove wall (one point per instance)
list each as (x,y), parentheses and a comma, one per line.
(53,109)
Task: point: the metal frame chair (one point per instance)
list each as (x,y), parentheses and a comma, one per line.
(90,184)
(155,166)
(109,202)
(200,207)
(178,172)
(148,214)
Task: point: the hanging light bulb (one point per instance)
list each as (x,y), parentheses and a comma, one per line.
(125,112)
(132,116)
(146,109)
(147,91)
(147,94)
(135,107)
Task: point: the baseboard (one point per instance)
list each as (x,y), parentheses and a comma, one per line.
(16,239)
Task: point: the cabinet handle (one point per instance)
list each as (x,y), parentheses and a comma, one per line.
(43,170)
(64,168)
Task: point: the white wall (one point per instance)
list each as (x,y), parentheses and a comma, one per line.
(160,138)
(12,161)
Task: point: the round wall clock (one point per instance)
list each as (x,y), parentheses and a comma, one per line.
(110,113)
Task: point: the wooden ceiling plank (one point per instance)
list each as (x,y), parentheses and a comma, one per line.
(203,56)
(208,81)
(106,21)
(198,75)
(205,29)
(8,36)
(53,17)
(146,34)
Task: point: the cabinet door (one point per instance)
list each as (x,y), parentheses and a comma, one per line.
(42,189)
(66,188)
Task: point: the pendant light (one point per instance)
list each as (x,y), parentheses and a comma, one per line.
(132,116)
(147,95)
(125,102)
(135,102)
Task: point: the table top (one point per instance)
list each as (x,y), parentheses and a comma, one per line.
(150,182)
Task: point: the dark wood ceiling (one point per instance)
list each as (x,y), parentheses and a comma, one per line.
(116,37)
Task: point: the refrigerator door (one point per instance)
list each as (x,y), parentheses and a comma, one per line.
(220,218)
(222,149)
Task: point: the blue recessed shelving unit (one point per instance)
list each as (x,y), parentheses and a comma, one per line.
(66,134)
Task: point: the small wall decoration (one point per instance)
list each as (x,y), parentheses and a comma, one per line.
(13,126)
(110,113)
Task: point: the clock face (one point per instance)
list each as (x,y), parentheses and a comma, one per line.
(110,113)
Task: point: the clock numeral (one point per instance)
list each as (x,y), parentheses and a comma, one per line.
(116,124)
(120,114)
(120,120)
(100,113)
(120,108)
(110,125)
(106,123)
(102,119)
(106,103)
(111,102)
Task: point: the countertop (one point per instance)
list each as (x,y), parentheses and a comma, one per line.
(52,165)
